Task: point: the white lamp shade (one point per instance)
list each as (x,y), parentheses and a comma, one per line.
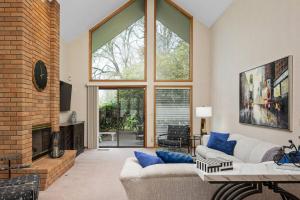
(204,111)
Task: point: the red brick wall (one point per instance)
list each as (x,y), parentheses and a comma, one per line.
(29,31)
(40,37)
(54,62)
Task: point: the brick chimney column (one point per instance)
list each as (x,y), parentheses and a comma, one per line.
(15,79)
(54,62)
(29,32)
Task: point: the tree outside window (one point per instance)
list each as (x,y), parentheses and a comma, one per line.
(122,58)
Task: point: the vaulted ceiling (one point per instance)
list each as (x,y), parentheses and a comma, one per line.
(78,16)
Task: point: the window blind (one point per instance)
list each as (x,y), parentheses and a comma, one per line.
(118,23)
(176,21)
(172,108)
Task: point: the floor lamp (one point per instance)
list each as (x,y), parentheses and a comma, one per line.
(203,113)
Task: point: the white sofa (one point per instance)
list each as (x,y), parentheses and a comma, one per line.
(181,182)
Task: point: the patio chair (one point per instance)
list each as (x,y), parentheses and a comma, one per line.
(177,137)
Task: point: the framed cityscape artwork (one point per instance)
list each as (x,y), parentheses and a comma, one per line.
(266,95)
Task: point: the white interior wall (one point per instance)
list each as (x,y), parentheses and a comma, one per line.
(252,33)
(74,66)
(64,71)
(74,70)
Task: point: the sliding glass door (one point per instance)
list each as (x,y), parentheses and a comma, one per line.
(121,117)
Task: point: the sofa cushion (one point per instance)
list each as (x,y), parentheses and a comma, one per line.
(146,160)
(215,137)
(202,150)
(224,146)
(224,156)
(169,170)
(244,146)
(174,157)
(250,150)
(132,170)
(206,152)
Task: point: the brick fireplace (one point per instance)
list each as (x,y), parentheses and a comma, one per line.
(29,32)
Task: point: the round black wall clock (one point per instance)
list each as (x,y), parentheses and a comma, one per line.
(40,75)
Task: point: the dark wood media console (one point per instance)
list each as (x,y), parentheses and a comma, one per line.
(72,136)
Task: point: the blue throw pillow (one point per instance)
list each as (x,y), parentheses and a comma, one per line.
(174,157)
(224,146)
(146,160)
(214,136)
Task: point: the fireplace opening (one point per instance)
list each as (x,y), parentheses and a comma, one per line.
(41,141)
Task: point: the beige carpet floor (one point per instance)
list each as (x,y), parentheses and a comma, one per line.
(95,176)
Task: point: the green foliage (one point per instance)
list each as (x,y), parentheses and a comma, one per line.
(133,72)
(109,117)
(125,115)
(174,65)
(122,58)
(131,122)
(172,55)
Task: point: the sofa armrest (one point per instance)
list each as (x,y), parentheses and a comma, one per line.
(131,169)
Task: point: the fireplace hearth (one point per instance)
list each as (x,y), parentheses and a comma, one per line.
(41,141)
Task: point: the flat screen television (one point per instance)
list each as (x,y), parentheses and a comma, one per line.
(65,96)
